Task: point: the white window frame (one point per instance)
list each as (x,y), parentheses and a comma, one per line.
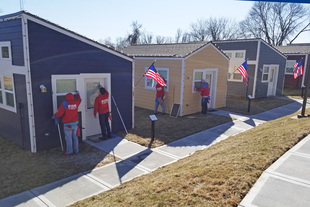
(265,81)
(2,89)
(287,61)
(234,63)
(55,94)
(6,44)
(150,79)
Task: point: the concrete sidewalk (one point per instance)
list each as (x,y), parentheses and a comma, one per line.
(137,160)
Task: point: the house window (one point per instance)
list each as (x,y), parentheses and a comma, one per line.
(151,83)
(5,51)
(7,93)
(64,86)
(289,66)
(237,57)
(265,73)
(200,74)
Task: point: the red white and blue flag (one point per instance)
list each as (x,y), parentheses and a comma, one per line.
(244,72)
(297,69)
(152,73)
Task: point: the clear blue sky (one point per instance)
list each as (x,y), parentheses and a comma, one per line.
(100,19)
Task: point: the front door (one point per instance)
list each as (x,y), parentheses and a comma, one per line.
(272,80)
(91,85)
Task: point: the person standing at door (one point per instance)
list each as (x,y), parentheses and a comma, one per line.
(205,96)
(159,100)
(102,107)
(68,110)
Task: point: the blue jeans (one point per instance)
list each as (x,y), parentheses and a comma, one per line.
(104,124)
(204,105)
(157,102)
(72,141)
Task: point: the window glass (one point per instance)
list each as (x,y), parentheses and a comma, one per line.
(92,92)
(8,83)
(60,99)
(5,52)
(266,69)
(9,99)
(65,85)
(289,66)
(198,76)
(265,77)
(151,83)
(1,99)
(239,55)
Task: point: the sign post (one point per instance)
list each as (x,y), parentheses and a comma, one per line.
(249,105)
(153,118)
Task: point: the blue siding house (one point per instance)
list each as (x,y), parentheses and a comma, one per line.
(40,62)
(265,64)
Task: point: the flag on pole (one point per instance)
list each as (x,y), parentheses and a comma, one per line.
(152,73)
(244,72)
(297,69)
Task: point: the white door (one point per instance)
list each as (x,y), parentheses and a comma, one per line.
(272,81)
(91,125)
(209,79)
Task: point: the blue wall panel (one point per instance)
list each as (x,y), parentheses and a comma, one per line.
(53,53)
(249,46)
(12,31)
(268,56)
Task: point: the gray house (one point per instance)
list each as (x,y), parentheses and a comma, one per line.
(265,64)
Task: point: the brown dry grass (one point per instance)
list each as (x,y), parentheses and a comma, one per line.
(220,175)
(22,170)
(169,129)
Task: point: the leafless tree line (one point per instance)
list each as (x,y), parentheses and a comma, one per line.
(276,23)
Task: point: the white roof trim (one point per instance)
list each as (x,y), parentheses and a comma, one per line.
(203,47)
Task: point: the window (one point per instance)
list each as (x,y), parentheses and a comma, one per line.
(265,73)
(200,74)
(237,57)
(289,66)
(7,93)
(64,86)
(5,51)
(151,83)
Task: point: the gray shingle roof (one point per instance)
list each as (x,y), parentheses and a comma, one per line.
(294,49)
(164,50)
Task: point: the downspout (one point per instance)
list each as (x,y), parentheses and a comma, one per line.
(182,87)
(256,68)
(33,143)
(133,93)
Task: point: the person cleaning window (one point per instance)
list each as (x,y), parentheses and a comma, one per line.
(68,109)
(205,96)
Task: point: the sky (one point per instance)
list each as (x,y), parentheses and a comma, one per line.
(101,19)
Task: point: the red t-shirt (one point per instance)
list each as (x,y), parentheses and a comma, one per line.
(160,90)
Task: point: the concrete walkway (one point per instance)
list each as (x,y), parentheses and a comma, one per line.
(285,183)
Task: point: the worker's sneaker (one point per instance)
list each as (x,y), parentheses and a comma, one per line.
(66,154)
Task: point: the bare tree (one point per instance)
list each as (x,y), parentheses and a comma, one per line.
(133,38)
(274,22)
(222,28)
(198,30)
(178,36)
(121,43)
(146,38)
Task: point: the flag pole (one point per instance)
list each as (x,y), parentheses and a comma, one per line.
(144,74)
(247,87)
(306,93)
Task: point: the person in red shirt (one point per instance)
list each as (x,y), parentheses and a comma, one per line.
(69,110)
(159,100)
(102,107)
(205,96)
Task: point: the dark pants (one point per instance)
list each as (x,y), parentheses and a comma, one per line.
(204,105)
(104,124)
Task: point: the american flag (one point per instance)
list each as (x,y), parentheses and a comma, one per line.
(297,69)
(244,72)
(152,73)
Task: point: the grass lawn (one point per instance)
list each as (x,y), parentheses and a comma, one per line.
(220,175)
(18,167)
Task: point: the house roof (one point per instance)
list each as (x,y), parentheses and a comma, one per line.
(64,30)
(294,49)
(177,50)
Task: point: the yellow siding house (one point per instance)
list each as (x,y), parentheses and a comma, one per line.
(183,66)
